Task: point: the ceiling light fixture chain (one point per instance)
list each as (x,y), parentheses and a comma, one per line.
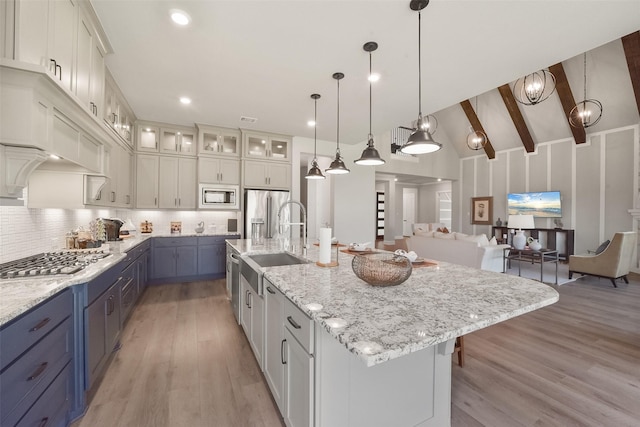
(420,141)
(314,171)
(587,112)
(370,156)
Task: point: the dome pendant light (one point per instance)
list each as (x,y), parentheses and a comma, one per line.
(337,165)
(370,156)
(476,140)
(420,141)
(315,172)
(587,112)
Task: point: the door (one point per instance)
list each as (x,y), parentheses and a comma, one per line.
(298,394)
(146,181)
(186,261)
(164,263)
(408,210)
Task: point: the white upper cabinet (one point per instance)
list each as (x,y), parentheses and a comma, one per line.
(213,170)
(266,146)
(217,141)
(177,183)
(147,170)
(89,75)
(166,139)
(267,175)
(117,113)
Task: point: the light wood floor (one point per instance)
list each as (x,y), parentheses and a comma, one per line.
(184,362)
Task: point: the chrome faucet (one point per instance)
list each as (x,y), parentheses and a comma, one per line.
(303,223)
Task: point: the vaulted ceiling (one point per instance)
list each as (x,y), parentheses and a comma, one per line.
(263,59)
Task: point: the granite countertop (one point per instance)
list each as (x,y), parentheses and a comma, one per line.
(377,324)
(19,295)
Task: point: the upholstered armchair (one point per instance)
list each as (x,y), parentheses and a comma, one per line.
(612,263)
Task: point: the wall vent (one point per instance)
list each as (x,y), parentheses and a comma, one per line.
(245,119)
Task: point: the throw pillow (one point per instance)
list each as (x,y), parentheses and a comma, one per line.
(443,230)
(602,247)
(493,241)
(420,227)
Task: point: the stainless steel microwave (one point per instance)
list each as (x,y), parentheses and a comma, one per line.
(211,196)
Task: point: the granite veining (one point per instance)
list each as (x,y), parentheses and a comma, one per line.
(377,324)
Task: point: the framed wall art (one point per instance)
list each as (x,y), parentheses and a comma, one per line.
(482,210)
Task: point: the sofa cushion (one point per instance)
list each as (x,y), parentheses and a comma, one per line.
(424,233)
(420,227)
(441,235)
(480,239)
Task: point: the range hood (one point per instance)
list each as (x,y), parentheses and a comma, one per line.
(16,164)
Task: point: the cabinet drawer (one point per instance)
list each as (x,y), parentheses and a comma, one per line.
(163,242)
(300,326)
(27,378)
(52,408)
(31,327)
(211,240)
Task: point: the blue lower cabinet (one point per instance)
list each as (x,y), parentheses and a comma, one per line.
(36,386)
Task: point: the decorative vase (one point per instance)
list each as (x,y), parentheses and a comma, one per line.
(519,240)
(499,222)
(534,245)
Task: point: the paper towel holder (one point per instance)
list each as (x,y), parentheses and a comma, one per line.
(333,263)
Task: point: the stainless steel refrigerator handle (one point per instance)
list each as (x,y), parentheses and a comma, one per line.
(268,231)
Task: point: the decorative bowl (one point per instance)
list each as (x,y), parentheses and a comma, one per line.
(384,269)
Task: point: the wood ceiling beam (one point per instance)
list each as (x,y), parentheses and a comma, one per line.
(567,101)
(516,116)
(477,126)
(631,45)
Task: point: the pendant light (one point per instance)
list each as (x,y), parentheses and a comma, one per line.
(476,140)
(420,141)
(337,166)
(534,88)
(587,112)
(370,156)
(315,172)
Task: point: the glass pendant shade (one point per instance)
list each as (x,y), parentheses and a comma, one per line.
(476,140)
(587,112)
(420,141)
(370,156)
(337,166)
(315,172)
(534,88)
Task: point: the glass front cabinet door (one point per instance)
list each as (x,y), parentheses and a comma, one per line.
(177,141)
(148,138)
(266,146)
(218,141)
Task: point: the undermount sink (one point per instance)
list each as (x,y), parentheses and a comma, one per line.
(250,266)
(272,260)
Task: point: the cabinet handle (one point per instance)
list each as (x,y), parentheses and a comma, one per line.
(44,422)
(59,75)
(293,322)
(179,202)
(128,199)
(284,362)
(113,196)
(99,196)
(40,324)
(55,65)
(155,201)
(37,372)
(250,298)
(95,109)
(271,291)
(246,298)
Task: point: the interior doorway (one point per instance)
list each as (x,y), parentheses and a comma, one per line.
(409,210)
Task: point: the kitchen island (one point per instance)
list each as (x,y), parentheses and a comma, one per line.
(382,355)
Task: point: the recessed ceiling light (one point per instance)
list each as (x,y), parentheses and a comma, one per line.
(185,100)
(279,146)
(374,77)
(263,141)
(439,179)
(54,157)
(180,17)
(311,123)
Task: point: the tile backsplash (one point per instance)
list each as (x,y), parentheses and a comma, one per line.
(25,232)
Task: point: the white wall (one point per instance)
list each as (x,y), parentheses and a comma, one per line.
(598,182)
(427,205)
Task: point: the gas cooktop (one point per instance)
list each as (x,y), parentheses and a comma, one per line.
(51,263)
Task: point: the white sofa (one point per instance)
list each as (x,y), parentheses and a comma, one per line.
(459,249)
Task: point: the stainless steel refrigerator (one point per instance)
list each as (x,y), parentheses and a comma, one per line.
(263,205)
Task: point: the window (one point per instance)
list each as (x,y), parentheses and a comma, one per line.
(443,207)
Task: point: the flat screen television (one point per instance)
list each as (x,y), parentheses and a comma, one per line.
(544,204)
